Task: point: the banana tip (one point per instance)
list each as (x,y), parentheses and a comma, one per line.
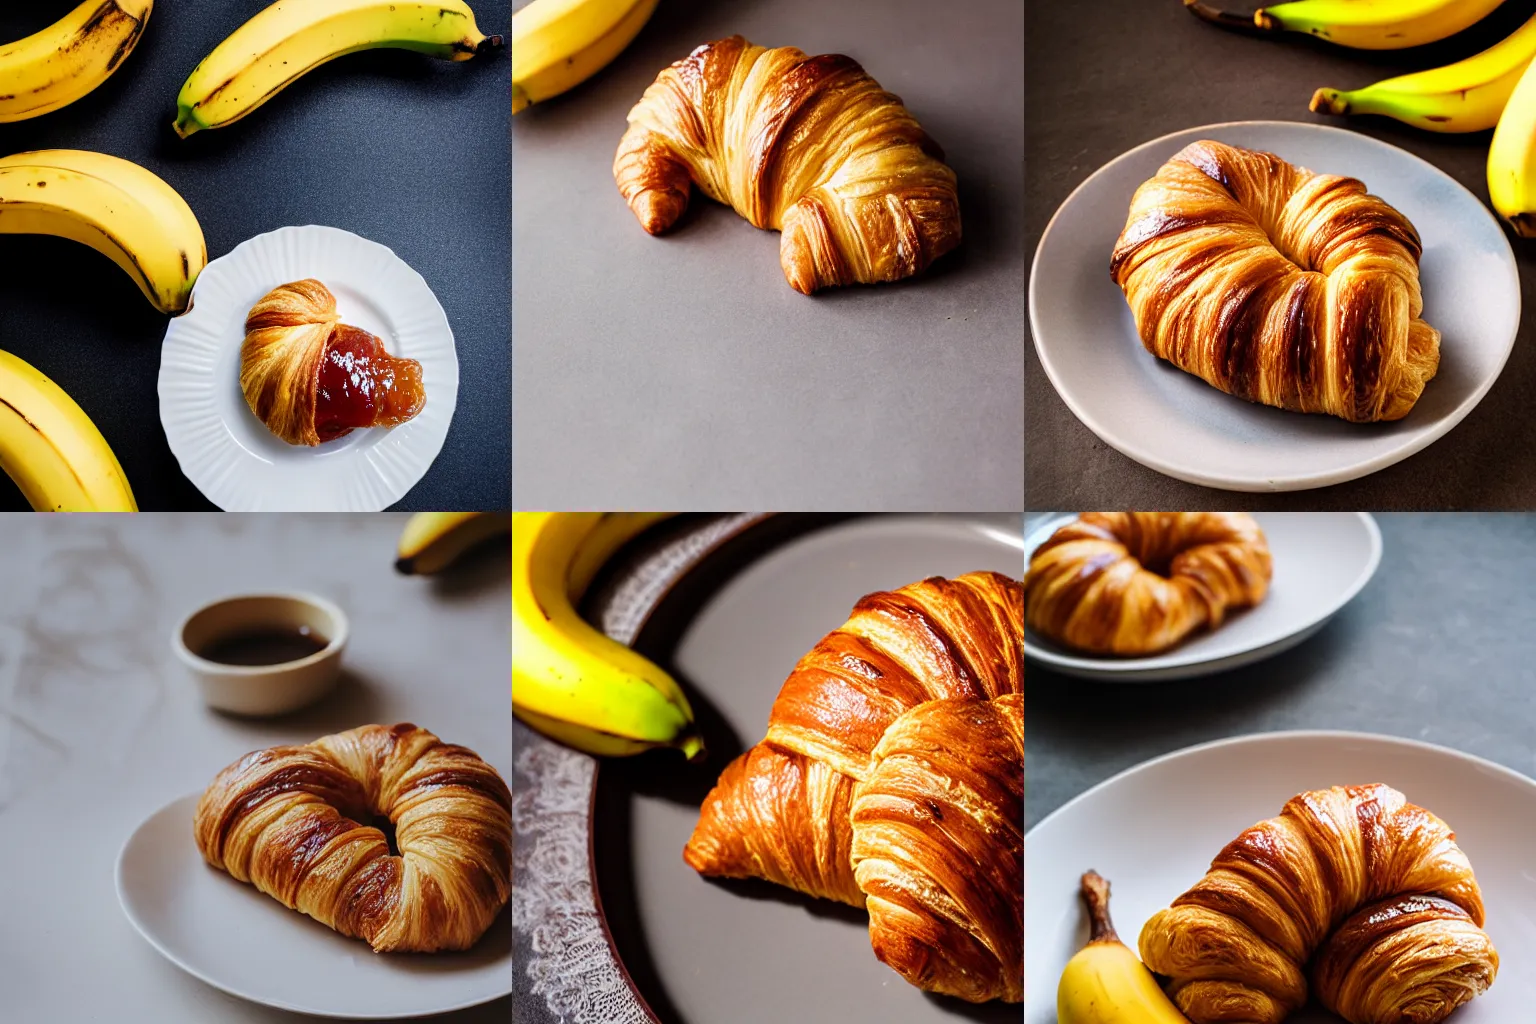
(1523,224)
(693,747)
(489,45)
(405,566)
(1328,101)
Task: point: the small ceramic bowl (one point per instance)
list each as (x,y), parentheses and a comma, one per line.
(272,689)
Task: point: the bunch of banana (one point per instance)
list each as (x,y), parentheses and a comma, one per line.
(432,541)
(52,450)
(1361,24)
(1512,159)
(569,681)
(558,44)
(53,68)
(116,207)
(292,37)
(1105,983)
(1467,96)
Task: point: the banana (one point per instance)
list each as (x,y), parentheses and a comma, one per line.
(52,450)
(612,532)
(1360,24)
(1105,983)
(117,208)
(568,679)
(558,44)
(1512,159)
(292,37)
(432,541)
(53,68)
(1467,96)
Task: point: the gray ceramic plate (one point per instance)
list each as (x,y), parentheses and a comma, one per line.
(692,951)
(1176,423)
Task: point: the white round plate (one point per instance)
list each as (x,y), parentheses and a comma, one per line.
(1321,560)
(1153,830)
(243,941)
(1176,423)
(228,453)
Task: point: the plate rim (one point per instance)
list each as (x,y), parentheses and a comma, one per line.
(1279,736)
(1297,481)
(395,487)
(148,936)
(1125,670)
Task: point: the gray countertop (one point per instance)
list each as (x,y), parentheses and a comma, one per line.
(683,370)
(100,726)
(1107,76)
(1435,648)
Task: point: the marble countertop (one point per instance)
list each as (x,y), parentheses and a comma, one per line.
(1435,648)
(100,726)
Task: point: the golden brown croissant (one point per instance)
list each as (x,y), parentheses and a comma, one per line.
(1373,885)
(294,821)
(810,146)
(892,777)
(311,378)
(1278,285)
(1135,583)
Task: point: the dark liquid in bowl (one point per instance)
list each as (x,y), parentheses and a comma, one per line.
(265,647)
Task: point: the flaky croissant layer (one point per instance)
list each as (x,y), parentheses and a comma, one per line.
(891,778)
(1370,890)
(1136,583)
(294,822)
(810,146)
(1277,285)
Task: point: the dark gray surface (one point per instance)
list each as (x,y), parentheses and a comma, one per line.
(1435,648)
(397,147)
(1104,77)
(683,370)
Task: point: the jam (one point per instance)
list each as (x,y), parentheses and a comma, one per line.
(361,385)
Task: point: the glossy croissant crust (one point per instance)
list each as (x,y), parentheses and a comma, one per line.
(294,822)
(1369,888)
(311,378)
(1136,583)
(892,778)
(1277,285)
(810,146)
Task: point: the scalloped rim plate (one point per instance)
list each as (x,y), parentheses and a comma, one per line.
(228,453)
(236,938)
(1153,829)
(1321,561)
(1179,425)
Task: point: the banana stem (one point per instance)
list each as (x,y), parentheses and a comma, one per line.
(1096,897)
(489,45)
(1253,24)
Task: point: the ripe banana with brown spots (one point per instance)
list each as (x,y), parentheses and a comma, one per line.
(53,68)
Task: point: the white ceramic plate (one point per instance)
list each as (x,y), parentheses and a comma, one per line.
(228,453)
(243,941)
(1321,561)
(1176,423)
(1153,830)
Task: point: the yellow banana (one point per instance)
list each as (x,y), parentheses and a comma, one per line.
(52,450)
(1467,96)
(116,207)
(53,68)
(1512,159)
(568,679)
(612,532)
(558,44)
(292,37)
(432,541)
(1105,983)
(1361,24)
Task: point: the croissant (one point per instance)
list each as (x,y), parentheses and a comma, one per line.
(1277,285)
(1370,888)
(891,778)
(311,378)
(810,146)
(295,821)
(1136,583)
